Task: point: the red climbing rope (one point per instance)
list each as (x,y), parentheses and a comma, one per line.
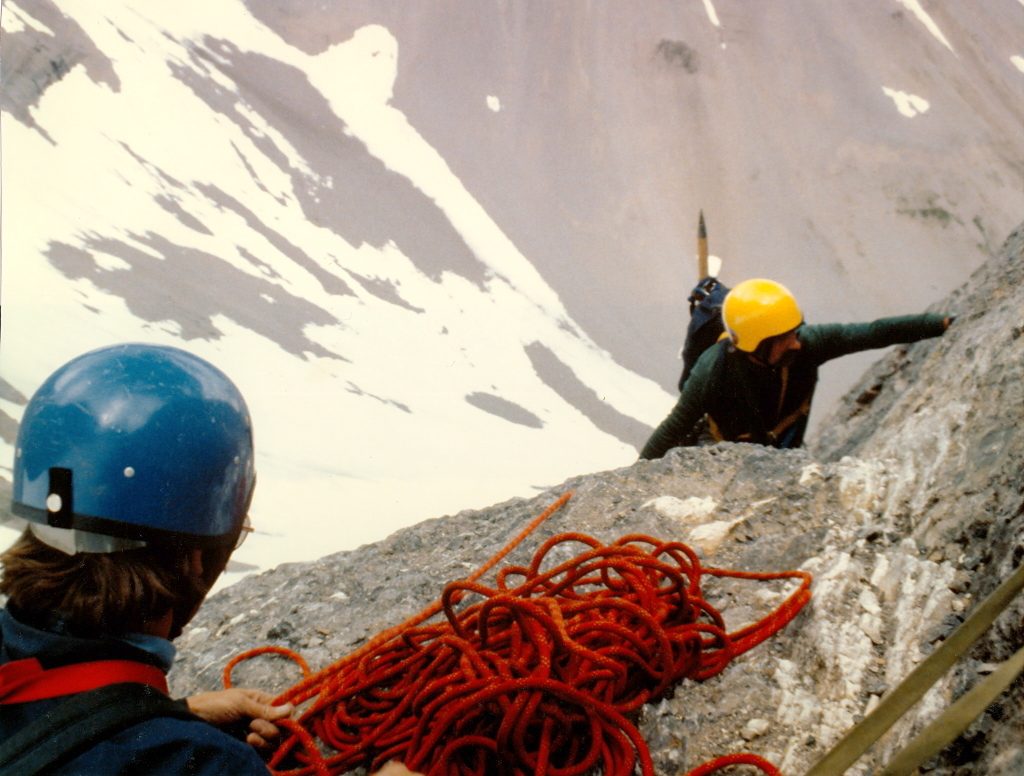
(542,672)
(735,759)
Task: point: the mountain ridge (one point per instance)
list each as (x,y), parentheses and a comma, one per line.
(459,234)
(907,512)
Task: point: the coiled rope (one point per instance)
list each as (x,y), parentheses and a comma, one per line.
(541,673)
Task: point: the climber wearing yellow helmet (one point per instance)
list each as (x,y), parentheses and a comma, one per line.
(756,383)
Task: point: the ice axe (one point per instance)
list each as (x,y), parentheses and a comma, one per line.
(702,248)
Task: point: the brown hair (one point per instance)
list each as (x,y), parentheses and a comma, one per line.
(99,594)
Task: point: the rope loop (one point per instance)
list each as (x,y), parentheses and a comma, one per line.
(292,655)
(542,672)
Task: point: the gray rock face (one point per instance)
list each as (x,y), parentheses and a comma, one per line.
(907,509)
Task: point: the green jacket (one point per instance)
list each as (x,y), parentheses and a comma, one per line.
(745,401)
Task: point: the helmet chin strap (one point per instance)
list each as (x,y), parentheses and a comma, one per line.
(184,612)
(214,560)
(762,353)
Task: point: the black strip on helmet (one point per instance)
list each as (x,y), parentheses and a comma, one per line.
(107,527)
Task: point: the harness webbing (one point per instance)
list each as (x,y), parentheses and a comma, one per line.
(773,434)
(22,681)
(955,720)
(893,706)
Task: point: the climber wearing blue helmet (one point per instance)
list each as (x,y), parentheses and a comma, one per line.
(135,443)
(133,474)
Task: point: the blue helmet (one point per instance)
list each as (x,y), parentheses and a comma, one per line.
(134,444)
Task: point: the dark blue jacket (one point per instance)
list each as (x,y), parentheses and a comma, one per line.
(163,746)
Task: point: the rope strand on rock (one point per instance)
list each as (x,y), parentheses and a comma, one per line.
(542,672)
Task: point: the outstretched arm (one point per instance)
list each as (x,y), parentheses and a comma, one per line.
(823,342)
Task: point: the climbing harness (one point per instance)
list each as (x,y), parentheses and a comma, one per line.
(541,672)
(893,706)
(781,435)
(84,718)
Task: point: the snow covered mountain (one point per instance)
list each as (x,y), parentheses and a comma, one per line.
(442,247)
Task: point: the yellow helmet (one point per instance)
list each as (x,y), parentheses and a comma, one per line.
(757,309)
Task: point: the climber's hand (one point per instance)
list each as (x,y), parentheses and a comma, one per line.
(226,708)
(394,768)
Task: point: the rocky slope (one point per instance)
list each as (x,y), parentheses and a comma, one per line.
(906,509)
